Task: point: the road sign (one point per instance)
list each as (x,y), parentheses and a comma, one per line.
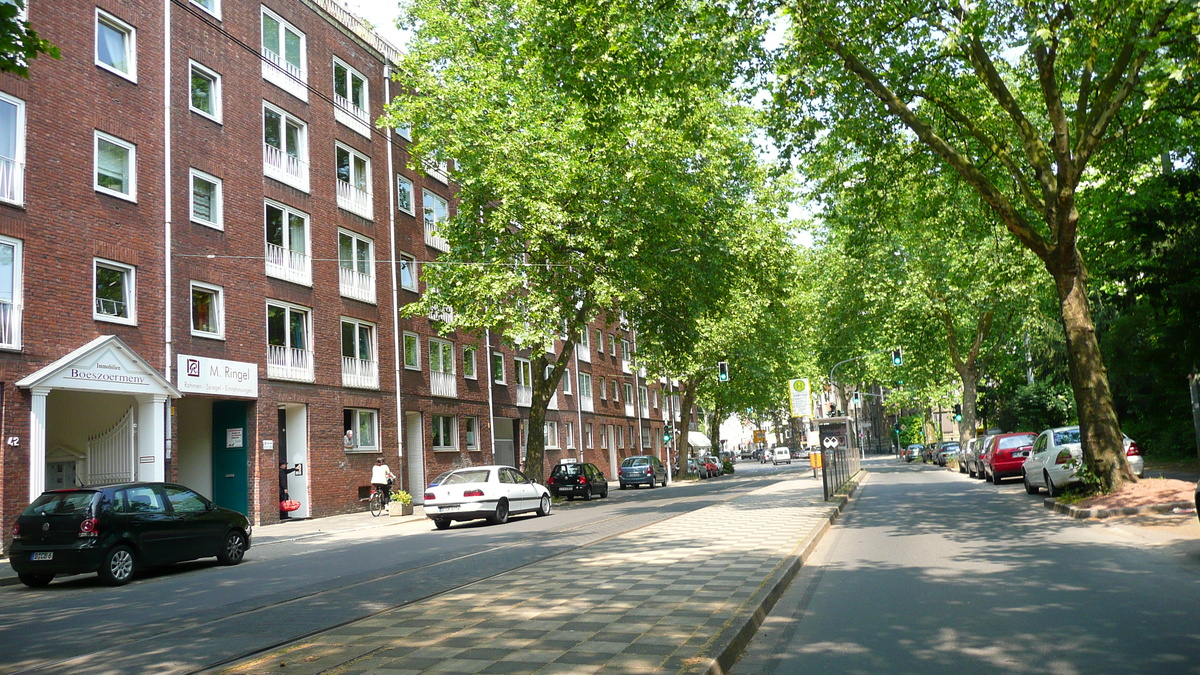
(760,435)
(800,396)
(830,442)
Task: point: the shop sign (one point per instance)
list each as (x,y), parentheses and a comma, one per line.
(217,377)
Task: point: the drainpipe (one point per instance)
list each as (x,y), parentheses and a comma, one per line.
(487,358)
(579,401)
(396,356)
(167,271)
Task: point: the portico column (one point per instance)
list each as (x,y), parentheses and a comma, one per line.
(151,438)
(37,442)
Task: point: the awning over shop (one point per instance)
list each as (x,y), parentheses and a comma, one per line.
(699,441)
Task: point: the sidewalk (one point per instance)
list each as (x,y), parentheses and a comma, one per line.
(289,530)
(682,595)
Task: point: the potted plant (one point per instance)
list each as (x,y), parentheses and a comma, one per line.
(401,504)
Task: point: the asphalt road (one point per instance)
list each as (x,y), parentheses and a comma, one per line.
(933,572)
(191,616)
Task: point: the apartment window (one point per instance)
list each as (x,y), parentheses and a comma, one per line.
(552,434)
(412,352)
(12,149)
(612,344)
(206,92)
(567,381)
(645,433)
(585,386)
(628,393)
(643,397)
(600,342)
(356,266)
(211,6)
(287,327)
(114,292)
(350,95)
(524,372)
(208,311)
(206,199)
(354,182)
(287,244)
(616,391)
(116,162)
(603,437)
(472,428)
(469,363)
(437,212)
(10,292)
(363,425)
(443,432)
(569,429)
(115,46)
(285,148)
(587,437)
(408,272)
(498,368)
(603,389)
(583,340)
(404,195)
(284,61)
(441,357)
(625,350)
(358,340)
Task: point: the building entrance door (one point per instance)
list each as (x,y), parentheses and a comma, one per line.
(231,484)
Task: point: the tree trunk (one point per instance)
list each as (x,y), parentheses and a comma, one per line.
(1100,433)
(685,422)
(544,387)
(970,398)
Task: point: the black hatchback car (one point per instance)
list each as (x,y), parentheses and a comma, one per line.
(115,529)
(583,480)
(642,470)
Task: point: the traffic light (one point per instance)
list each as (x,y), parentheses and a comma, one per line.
(667,434)
(957,412)
(723,371)
(897,357)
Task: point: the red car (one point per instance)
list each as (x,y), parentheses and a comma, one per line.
(1005,454)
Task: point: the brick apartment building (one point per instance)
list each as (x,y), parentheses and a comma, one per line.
(204,243)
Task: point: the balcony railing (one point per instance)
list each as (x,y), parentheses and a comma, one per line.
(443,384)
(359,373)
(524,395)
(285,168)
(356,285)
(289,265)
(10,326)
(347,113)
(12,181)
(432,238)
(625,366)
(584,353)
(645,411)
(586,404)
(285,363)
(284,75)
(354,200)
(553,404)
(628,409)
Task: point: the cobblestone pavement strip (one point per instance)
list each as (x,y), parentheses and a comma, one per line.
(682,595)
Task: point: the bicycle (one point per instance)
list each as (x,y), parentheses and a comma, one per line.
(377,501)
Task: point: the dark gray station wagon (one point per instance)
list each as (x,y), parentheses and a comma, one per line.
(115,529)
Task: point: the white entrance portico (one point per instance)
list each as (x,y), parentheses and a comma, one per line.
(104,408)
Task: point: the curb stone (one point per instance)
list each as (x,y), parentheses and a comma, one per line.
(731,640)
(1076,512)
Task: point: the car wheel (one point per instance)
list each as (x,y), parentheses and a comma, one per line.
(622,487)
(234,549)
(570,498)
(653,483)
(587,494)
(1030,488)
(544,506)
(36,580)
(116,569)
(962,468)
(605,493)
(1051,488)
(501,515)
(441,523)
(995,478)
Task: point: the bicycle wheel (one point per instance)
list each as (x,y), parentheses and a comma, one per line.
(376,504)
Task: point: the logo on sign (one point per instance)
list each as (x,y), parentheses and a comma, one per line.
(193,368)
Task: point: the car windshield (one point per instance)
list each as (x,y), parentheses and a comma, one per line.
(1066,436)
(635,461)
(471,476)
(1010,442)
(60,504)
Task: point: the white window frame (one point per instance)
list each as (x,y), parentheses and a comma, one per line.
(218,309)
(354,282)
(130,44)
(12,169)
(569,429)
(603,389)
(215,77)
(218,205)
(278,73)
(498,375)
(413,363)
(444,350)
(411,263)
(566,378)
(301,276)
(348,189)
(372,416)
(470,365)
(552,434)
(356,116)
(628,392)
(129,288)
(302,178)
(612,344)
(616,397)
(585,385)
(11,308)
(432,237)
(449,427)
(404,186)
(215,10)
(600,342)
(471,430)
(131,165)
(587,437)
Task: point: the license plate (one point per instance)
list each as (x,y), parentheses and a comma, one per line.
(42,555)
(448,508)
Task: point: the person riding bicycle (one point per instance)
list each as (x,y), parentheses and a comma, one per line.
(381,478)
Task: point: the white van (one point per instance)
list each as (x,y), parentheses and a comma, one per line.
(781,455)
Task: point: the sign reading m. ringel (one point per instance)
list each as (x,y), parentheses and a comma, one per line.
(217,377)
(800,396)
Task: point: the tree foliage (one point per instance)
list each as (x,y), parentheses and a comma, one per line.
(19,42)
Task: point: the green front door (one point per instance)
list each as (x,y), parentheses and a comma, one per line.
(231,484)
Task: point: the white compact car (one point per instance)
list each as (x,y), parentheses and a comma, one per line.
(781,455)
(492,492)
(1052,461)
